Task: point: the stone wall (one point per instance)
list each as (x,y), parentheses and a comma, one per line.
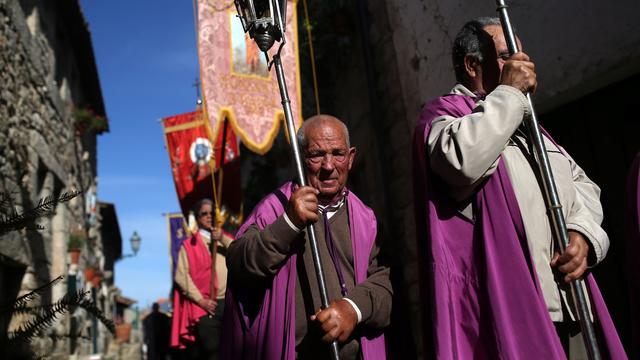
(44,78)
(577,47)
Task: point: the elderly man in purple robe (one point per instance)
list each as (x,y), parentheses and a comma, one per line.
(494,283)
(273,293)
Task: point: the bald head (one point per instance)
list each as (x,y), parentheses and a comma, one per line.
(315,123)
(328,156)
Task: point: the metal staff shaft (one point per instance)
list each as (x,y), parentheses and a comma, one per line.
(550,192)
(313,242)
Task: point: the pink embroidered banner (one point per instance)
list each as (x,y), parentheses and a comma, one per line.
(235,80)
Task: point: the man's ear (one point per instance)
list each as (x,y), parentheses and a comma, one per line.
(352,155)
(471,66)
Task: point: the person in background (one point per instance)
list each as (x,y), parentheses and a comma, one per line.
(157,328)
(199,306)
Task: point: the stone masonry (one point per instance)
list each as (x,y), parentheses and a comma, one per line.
(47,71)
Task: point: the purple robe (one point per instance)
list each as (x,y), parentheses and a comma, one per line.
(261,325)
(632,249)
(482,295)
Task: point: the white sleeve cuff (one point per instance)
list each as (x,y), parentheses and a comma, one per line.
(593,241)
(291,225)
(355,307)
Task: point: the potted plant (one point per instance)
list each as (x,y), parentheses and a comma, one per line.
(123,332)
(75,244)
(88,120)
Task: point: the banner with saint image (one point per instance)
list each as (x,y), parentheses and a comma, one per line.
(236,83)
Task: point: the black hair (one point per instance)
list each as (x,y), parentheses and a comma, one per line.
(470,40)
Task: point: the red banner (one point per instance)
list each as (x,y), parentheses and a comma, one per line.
(193,157)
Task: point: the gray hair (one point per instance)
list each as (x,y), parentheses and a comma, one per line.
(199,204)
(302,139)
(470,40)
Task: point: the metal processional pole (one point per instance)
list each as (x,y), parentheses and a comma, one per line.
(550,192)
(264,21)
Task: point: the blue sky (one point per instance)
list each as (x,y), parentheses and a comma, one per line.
(147,63)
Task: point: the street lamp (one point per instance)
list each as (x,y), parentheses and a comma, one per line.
(135,242)
(264,21)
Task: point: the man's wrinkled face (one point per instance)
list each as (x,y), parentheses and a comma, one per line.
(328,160)
(204,217)
(494,56)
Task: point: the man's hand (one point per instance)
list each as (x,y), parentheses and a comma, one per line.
(574,260)
(216,233)
(337,321)
(208,305)
(519,72)
(302,208)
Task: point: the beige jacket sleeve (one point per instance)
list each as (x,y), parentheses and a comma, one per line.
(463,151)
(585,216)
(225,240)
(183,279)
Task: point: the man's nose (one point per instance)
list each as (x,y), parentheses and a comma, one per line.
(327,162)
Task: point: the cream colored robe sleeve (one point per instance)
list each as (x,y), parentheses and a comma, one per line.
(463,151)
(183,279)
(586,213)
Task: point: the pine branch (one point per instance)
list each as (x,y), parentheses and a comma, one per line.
(5,199)
(82,301)
(24,299)
(39,310)
(88,305)
(34,227)
(46,206)
(45,317)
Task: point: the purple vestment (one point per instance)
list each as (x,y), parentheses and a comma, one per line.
(632,249)
(261,324)
(483,299)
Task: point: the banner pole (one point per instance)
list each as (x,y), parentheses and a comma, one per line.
(551,198)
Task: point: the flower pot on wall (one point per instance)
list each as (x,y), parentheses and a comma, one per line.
(96,280)
(123,332)
(76,242)
(89,273)
(74,255)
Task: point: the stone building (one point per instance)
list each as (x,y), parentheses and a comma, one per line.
(379,61)
(51,112)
